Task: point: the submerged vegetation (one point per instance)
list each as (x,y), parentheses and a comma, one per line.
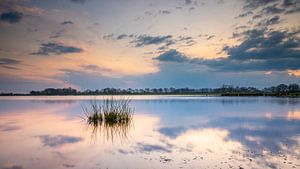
(110,117)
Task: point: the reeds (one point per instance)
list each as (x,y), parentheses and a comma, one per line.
(111,117)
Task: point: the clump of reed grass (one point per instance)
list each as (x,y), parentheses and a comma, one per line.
(112,115)
(117,111)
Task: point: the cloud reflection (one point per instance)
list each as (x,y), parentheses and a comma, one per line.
(58,140)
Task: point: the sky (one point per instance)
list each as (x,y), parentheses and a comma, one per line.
(94,44)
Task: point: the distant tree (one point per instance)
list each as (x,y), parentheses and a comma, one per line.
(293,87)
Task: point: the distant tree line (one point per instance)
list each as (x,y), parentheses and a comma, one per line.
(225,90)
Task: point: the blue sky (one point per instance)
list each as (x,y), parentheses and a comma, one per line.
(137,43)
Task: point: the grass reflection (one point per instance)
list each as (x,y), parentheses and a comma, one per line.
(110,118)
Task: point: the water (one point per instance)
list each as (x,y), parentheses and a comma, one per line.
(167,132)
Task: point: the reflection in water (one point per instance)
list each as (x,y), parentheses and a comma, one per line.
(294,115)
(109,130)
(183,133)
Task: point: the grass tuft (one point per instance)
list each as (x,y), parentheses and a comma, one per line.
(113,115)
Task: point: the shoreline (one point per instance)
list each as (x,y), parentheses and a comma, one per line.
(183,95)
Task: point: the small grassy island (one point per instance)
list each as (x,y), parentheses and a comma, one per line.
(114,116)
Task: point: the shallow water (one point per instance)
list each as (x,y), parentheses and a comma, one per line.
(167,132)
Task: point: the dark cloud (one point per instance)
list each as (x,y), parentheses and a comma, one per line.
(9,63)
(122,36)
(11,17)
(257,16)
(108,37)
(58,140)
(144,40)
(253,4)
(67,23)
(272,7)
(245,14)
(186,40)
(79,1)
(261,50)
(56,49)
(288,3)
(272,21)
(164,41)
(241,27)
(272,10)
(294,10)
(172,56)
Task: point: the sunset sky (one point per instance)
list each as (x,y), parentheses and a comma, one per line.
(93,44)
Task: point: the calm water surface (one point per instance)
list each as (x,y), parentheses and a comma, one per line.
(167,132)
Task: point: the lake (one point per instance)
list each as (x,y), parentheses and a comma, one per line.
(166,132)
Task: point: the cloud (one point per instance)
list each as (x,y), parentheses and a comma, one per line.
(95,68)
(288,3)
(11,17)
(144,40)
(294,10)
(245,14)
(253,4)
(122,36)
(7,127)
(142,147)
(164,41)
(271,133)
(56,49)
(210,37)
(272,21)
(272,10)
(9,63)
(172,132)
(78,1)
(271,7)
(58,140)
(164,12)
(67,23)
(108,37)
(172,56)
(188,2)
(261,50)
(69,165)
(13,167)
(56,34)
